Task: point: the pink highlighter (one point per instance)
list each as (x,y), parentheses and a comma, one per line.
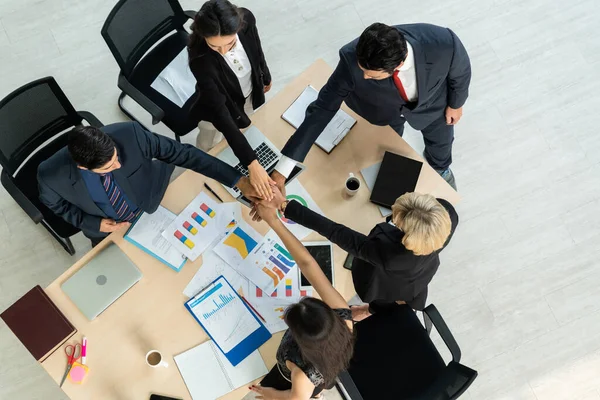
(83,350)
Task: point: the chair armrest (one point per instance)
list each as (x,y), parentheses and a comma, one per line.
(433,316)
(22,200)
(90,118)
(147,104)
(191,14)
(347,388)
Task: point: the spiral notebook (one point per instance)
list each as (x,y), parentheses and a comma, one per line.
(208,375)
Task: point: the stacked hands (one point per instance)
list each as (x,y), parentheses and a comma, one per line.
(260,186)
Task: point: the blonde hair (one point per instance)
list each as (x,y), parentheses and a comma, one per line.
(425,222)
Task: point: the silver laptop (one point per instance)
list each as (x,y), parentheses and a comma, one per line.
(267,154)
(101,281)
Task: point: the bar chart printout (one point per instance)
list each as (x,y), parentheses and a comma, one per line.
(223,314)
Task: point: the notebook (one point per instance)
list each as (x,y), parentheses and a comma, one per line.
(333,133)
(208,375)
(38,323)
(228,320)
(146,234)
(397,175)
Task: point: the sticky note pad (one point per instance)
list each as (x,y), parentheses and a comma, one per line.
(78,373)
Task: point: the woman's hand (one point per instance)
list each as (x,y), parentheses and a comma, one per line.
(260,212)
(260,180)
(267,393)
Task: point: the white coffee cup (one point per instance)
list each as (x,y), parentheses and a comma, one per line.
(352,185)
(155,359)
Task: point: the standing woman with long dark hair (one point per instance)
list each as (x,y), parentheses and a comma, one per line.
(232,77)
(319,342)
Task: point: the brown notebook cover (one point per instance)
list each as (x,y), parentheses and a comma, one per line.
(38,323)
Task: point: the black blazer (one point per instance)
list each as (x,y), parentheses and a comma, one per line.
(144,180)
(443,74)
(383,269)
(219,96)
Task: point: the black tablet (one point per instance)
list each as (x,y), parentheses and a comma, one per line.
(397,175)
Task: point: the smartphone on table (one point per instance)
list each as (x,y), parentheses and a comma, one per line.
(348,262)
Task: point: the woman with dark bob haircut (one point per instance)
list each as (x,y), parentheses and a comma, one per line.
(232,77)
(319,342)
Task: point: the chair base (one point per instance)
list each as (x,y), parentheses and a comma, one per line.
(64,242)
(131,117)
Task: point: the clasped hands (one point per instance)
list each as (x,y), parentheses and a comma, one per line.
(267,209)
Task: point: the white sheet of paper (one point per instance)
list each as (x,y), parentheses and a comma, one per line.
(206,235)
(208,375)
(147,232)
(224,315)
(295,191)
(235,247)
(212,267)
(370,176)
(333,133)
(176,82)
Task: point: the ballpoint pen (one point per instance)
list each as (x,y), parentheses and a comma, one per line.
(213,192)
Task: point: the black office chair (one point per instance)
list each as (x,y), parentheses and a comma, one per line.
(29,117)
(395,359)
(132,28)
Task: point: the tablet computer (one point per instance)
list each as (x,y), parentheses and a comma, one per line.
(322,252)
(397,175)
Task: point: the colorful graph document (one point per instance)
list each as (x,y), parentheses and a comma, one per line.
(228,320)
(267,264)
(198,226)
(146,233)
(235,247)
(295,191)
(213,267)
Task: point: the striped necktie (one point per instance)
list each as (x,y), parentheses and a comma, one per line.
(116,198)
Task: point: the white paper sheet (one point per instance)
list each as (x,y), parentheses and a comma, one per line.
(212,267)
(295,191)
(235,247)
(208,375)
(370,176)
(176,82)
(215,222)
(333,133)
(147,233)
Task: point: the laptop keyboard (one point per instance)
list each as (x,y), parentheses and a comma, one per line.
(265,157)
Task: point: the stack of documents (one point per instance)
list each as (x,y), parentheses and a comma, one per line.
(333,133)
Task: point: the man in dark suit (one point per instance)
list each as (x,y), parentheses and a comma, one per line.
(418,73)
(105,177)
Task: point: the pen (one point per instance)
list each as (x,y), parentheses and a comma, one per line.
(253,309)
(213,192)
(83,350)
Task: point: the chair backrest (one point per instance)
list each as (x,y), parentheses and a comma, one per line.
(134,26)
(30,116)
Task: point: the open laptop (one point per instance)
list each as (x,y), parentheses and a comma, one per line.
(101,281)
(267,154)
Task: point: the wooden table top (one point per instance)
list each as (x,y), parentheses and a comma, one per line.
(151,315)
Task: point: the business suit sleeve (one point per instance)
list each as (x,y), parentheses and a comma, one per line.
(213,99)
(184,155)
(453,219)
(66,210)
(459,76)
(263,62)
(349,240)
(320,112)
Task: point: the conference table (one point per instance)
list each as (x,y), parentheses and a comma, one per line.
(151,315)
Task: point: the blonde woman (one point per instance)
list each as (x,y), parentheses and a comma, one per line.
(396,261)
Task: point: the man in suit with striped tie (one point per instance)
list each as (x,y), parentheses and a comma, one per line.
(106,177)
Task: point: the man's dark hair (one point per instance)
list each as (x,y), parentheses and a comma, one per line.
(381,48)
(90,147)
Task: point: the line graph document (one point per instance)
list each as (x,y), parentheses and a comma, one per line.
(212,267)
(224,315)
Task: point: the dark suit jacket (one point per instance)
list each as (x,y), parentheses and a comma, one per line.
(144,180)
(383,269)
(443,74)
(219,96)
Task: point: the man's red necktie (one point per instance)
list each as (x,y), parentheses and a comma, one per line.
(398,83)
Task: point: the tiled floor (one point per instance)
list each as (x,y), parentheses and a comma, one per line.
(518,284)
